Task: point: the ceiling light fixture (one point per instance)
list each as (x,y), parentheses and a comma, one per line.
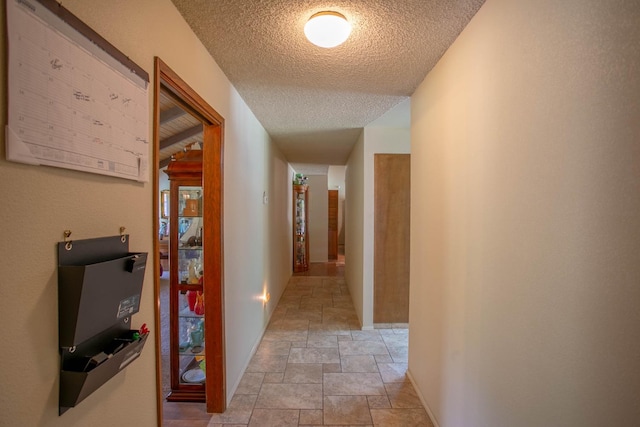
(327,29)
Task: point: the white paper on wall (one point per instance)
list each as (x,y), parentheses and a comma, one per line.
(70,104)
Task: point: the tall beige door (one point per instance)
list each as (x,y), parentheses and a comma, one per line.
(391,238)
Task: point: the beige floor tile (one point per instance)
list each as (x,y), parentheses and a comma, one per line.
(185,423)
(267,363)
(274,347)
(402,395)
(400,418)
(243,401)
(322,340)
(273,377)
(338,315)
(303,373)
(359,364)
(359,348)
(304,314)
(279,335)
(399,354)
(314,355)
(378,402)
(393,372)
(290,396)
(340,301)
(331,368)
(311,417)
(353,384)
(395,340)
(322,293)
(289,301)
(232,416)
(383,358)
(313,303)
(289,325)
(346,410)
(315,366)
(337,328)
(341,333)
(297,292)
(250,383)
(274,418)
(366,335)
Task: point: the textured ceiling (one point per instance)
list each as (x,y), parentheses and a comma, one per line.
(312,101)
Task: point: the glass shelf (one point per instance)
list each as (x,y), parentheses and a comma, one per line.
(187,279)
(300,228)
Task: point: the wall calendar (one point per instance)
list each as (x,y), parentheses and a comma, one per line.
(72,103)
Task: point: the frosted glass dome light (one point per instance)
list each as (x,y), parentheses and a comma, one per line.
(327,29)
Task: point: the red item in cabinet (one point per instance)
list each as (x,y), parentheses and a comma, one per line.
(199,305)
(191,299)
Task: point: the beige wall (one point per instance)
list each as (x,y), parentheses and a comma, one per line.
(377,139)
(38,203)
(525,248)
(354,212)
(359,212)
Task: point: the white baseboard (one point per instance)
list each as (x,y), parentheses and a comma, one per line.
(421,397)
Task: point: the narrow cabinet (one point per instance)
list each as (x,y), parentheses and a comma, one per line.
(187,277)
(300,228)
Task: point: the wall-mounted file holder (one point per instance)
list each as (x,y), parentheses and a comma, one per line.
(99,288)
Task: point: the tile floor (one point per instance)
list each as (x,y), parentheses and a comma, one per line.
(314,366)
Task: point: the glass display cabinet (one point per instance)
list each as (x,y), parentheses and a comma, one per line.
(300,228)
(186,301)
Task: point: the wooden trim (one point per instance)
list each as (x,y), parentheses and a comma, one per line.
(184,92)
(156,245)
(213,185)
(212,177)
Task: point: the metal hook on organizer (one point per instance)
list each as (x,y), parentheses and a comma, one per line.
(69,243)
(123,237)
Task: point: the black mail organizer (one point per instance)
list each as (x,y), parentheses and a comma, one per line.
(99,287)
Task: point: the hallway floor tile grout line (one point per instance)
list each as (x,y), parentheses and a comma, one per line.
(315,367)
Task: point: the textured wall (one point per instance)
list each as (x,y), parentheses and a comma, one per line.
(525,242)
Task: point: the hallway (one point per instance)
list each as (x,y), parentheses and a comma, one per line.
(314,366)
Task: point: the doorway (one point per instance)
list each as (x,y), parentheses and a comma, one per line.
(174,103)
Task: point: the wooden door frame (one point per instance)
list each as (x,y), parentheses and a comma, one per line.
(212,180)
